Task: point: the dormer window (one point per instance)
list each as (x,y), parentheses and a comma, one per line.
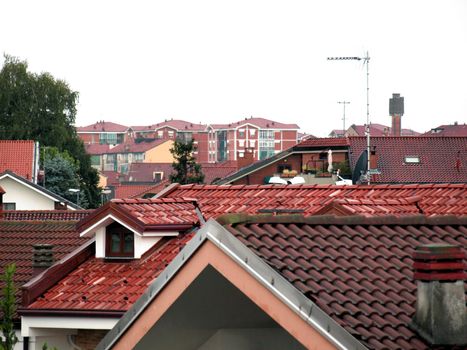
(120,242)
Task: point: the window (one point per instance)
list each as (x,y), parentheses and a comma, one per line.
(95,160)
(138,157)
(108,138)
(184,136)
(160,133)
(241,143)
(9,206)
(119,241)
(241,133)
(252,132)
(221,146)
(171,134)
(266,144)
(252,143)
(157,176)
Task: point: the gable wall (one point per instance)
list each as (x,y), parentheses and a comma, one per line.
(24,197)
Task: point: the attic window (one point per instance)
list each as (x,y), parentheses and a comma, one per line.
(412,159)
(157,176)
(119,242)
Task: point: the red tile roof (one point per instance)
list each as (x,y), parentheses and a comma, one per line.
(211,171)
(102,126)
(113,177)
(442,199)
(134,147)
(179,125)
(100,285)
(130,190)
(358,271)
(18,157)
(381,130)
(145,171)
(17,238)
(261,123)
(448,130)
(324,142)
(96,149)
(152,190)
(442,159)
(371,207)
(147,214)
(44,215)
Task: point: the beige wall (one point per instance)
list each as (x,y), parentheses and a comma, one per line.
(160,154)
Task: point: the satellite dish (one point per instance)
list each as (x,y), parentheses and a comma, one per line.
(277,180)
(360,167)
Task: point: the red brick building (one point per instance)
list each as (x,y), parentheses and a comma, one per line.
(214,142)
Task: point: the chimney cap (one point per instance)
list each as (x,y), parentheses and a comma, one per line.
(439,262)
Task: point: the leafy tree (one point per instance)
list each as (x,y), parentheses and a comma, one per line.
(61,173)
(8,308)
(41,108)
(187,171)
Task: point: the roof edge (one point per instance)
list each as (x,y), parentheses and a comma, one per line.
(42,282)
(254,265)
(72,313)
(416,219)
(166,191)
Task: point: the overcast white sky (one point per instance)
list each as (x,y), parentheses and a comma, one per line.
(139,62)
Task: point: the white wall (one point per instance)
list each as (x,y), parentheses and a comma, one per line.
(25,198)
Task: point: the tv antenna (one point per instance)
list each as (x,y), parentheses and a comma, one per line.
(366,61)
(343,117)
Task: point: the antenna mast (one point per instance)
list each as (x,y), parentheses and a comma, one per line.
(343,118)
(366,61)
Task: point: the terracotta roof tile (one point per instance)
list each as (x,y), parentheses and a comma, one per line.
(211,171)
(147,213)
(448,130)
(98,284)
(18,157)
(261,123)
(434,199)
(96,149)
(324,142)
(45,215)
(349,270)
(442,159)
(17,238)
(102,126)
(136,147)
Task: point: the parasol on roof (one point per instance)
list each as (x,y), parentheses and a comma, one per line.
(329,161)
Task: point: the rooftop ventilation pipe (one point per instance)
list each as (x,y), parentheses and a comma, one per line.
(441,314)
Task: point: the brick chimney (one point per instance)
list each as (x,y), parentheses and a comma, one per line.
(42,258)
(396,110)
(441,315)
(247,158)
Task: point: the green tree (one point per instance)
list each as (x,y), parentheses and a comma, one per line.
(41,108)
(187,171)
(61,173)
(8,309)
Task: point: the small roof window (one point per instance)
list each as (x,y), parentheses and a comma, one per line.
(412,159)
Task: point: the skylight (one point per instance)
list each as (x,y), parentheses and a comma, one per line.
(412,159)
